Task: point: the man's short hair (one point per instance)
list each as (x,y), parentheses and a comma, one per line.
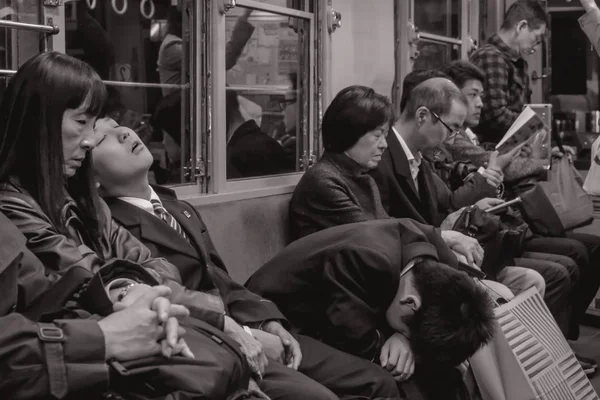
(462,71)
(532,11)
(413,79)
(455,319)
(355,111)
(436,97)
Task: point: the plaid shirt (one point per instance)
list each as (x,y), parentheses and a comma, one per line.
(506,88)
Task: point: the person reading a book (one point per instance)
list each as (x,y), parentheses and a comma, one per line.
(507,82)
(470,79)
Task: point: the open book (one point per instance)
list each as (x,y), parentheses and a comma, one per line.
(527,124)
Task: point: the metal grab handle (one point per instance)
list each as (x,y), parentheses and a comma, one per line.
(49,29)
(143,7)
(91,4)
(122,10)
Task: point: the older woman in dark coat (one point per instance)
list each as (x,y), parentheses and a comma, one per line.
(338,189)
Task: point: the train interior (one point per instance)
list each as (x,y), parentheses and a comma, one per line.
(282,61)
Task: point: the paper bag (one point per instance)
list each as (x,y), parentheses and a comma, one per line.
(592,180)
(529,358)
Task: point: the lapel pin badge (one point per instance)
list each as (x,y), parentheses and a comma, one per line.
(187,214)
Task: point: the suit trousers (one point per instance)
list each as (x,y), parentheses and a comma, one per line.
(559,272)
(327,373)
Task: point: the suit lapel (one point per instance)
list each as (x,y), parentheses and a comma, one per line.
(404,176)
(151,228)
(186,217)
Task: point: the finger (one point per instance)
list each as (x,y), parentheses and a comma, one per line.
(393,358)
(146,299)
(166,350)
(161,305)
(296,354)
(494,202)
(493,158)
(185,349)
(178,311)
(172,330)
(383,355)
(262,362)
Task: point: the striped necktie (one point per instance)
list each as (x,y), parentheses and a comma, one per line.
(163,214)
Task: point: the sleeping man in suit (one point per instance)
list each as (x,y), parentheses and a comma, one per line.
(298,367)
(386,290)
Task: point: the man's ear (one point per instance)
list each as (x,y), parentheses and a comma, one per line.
(521,24)
(421,115)
(413,301)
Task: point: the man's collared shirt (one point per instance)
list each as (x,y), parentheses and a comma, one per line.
(144,204)
(413,162)
(507,88)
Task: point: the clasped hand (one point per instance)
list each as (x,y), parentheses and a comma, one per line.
(145,323)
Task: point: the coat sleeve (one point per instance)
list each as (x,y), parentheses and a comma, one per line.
(349,280)
(322,200)
(242,31)
(245,307)
(58,253)
(27,371)
(473,190)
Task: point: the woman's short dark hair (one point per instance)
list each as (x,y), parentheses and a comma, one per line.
(462,71)
(455,319)
(31,150)
(355,111)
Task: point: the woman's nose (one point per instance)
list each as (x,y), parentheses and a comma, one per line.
(89,140)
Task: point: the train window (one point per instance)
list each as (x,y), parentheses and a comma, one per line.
(143,56)
(16,45)
(264,93)
(439,17)
(434,55)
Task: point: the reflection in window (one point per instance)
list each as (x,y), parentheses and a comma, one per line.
(440,17)
(264,113)
(144,61)
(434,55)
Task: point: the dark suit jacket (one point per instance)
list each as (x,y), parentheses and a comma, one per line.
(23,364)
(335,191)
(337,284)
(199,263)
(251,152)
(434,200)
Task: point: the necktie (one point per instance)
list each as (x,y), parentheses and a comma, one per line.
(163,214)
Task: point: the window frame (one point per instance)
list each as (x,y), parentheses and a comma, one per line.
(216,185)
(406,31)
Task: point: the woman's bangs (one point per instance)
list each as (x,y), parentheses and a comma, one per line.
(88,92)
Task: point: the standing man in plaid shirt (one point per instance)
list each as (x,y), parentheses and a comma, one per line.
(502,59)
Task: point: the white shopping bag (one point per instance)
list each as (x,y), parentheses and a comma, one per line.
(592,180)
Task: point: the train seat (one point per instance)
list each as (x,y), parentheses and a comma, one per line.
(247,233)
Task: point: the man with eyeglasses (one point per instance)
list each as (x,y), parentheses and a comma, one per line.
(507,82)
(434,110)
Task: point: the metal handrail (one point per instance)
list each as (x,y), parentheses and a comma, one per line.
(10,72)
(49,29)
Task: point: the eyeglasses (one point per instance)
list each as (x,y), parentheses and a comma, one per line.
(286,102)
(452,132)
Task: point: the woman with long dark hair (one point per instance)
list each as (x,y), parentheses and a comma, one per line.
(47,190)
